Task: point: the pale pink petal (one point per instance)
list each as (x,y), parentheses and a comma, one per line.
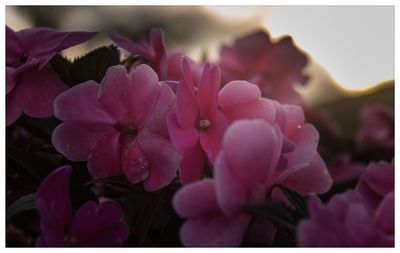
(295,119)
(191,166)
(36,91)
(215,231)
(118,88)
(211,138)
(231,193)
(207,95)
(183,140)
(204,204)
(79,103)
(104,159)
(238,93)
(186,107)
(163,158)
(314,178)
(252,149)
(75,139)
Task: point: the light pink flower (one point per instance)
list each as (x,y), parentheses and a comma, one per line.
(207,225)
(274,67)
(119,126)
(300,167)
(376,127)
(197,125)
(29,87)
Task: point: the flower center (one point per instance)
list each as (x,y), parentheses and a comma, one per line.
(203,124)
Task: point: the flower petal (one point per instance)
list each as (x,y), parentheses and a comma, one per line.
(384,216)
(186,107)
(207,95)
(98,225)
(79,103)
(163,157)
(134,162)
(14,47)
(75,139)
(54,206)
(104,158)
(204,204)
(129,97)
(314,178)
(183,140)
(191,166)
(214,231)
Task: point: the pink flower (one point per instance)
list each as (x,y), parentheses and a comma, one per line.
(154,53)
(119,126)
(377,127)
(29,87)
(358,218)
(196,125)
(93,225)
(300,167)
(207,225)
(348,221)
(343,169)
(274,67)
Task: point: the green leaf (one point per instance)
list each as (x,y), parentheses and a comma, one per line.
(25,203)
(62,67)
(94,65)
(276,211)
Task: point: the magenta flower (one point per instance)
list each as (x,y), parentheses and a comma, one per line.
(155,54)
(274,67)
(343,169)
(93,225)
(207,225)
(377,127)
(197,125)
(119,126)
(29,87)
(360,218)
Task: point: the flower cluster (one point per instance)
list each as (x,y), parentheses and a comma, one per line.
(219,140)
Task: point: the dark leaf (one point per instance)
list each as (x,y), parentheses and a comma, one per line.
(61,66)
(296,199)
(276,211)
(94,65)
(25,203)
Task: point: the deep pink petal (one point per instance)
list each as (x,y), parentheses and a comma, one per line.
(175,66)
(13,107)
(79,103)
(160,52)
(134,162)
(54,206)
(204,204)
(183,140)
(10,80)
(14,48)
(129,98)
(191,166)
(384,216)
(43,43)
(98,225)
(163,158)
(131,47)
(314,178)
(215,231)
(75,139)
(36,91)
(104,159)
(186,107)
(156,120)
(211,138)
(251,149)
(207,95)
(231,67)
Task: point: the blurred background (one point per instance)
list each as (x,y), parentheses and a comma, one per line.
(351,48)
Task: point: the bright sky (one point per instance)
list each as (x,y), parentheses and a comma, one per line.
(355,44)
